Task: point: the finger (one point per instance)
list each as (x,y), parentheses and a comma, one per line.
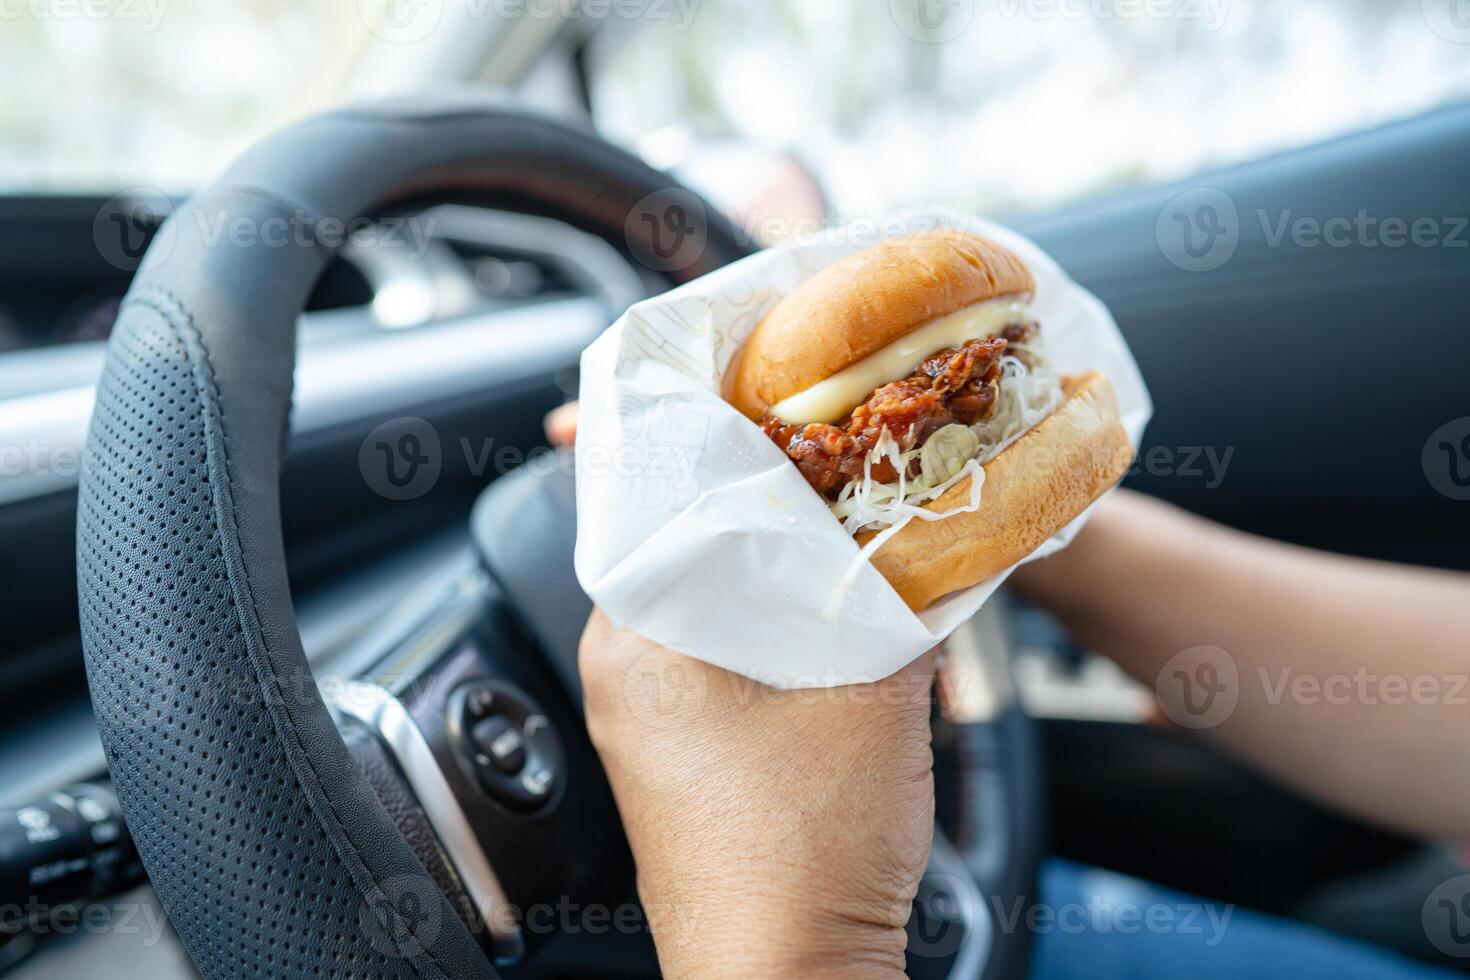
(561,426)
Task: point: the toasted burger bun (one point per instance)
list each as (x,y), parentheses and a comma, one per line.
(1032,490)
(861,304)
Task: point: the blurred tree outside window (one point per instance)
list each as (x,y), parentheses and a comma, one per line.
(995,105)
(1007,106)
(105,94)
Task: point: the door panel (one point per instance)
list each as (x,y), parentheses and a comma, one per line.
(1321,363)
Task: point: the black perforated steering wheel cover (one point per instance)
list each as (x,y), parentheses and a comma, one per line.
(266,845)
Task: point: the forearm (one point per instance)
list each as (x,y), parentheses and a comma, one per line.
(1350,676)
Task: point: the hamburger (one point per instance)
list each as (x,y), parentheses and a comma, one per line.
(909,385)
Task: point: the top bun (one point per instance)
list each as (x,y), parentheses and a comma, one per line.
(861,304)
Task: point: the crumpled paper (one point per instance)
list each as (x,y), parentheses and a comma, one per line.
(695,531)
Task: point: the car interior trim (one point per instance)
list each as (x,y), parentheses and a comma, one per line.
(389,719)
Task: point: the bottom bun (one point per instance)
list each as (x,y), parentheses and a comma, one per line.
(1032,490)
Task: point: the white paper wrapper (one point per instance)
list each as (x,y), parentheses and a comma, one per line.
(694,530)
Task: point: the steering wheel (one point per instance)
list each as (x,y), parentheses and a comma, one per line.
(406,831)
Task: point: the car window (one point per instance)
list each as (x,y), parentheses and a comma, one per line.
(1018,105)
(105,107)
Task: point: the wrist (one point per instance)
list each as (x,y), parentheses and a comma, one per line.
(1066,582)
(1128,532)
(769,923)
(775,945)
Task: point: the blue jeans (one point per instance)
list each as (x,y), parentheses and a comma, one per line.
(1098,925)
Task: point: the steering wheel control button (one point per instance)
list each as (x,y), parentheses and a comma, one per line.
(43,852)
(507,742)
(498,738)
(537,783)
(68,847)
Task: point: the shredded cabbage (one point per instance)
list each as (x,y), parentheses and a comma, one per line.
(1026,395)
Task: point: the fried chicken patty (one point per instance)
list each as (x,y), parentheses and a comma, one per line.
(957,384)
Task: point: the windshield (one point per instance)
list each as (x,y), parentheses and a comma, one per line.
(996,105)
(163,92)
(1020,105)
